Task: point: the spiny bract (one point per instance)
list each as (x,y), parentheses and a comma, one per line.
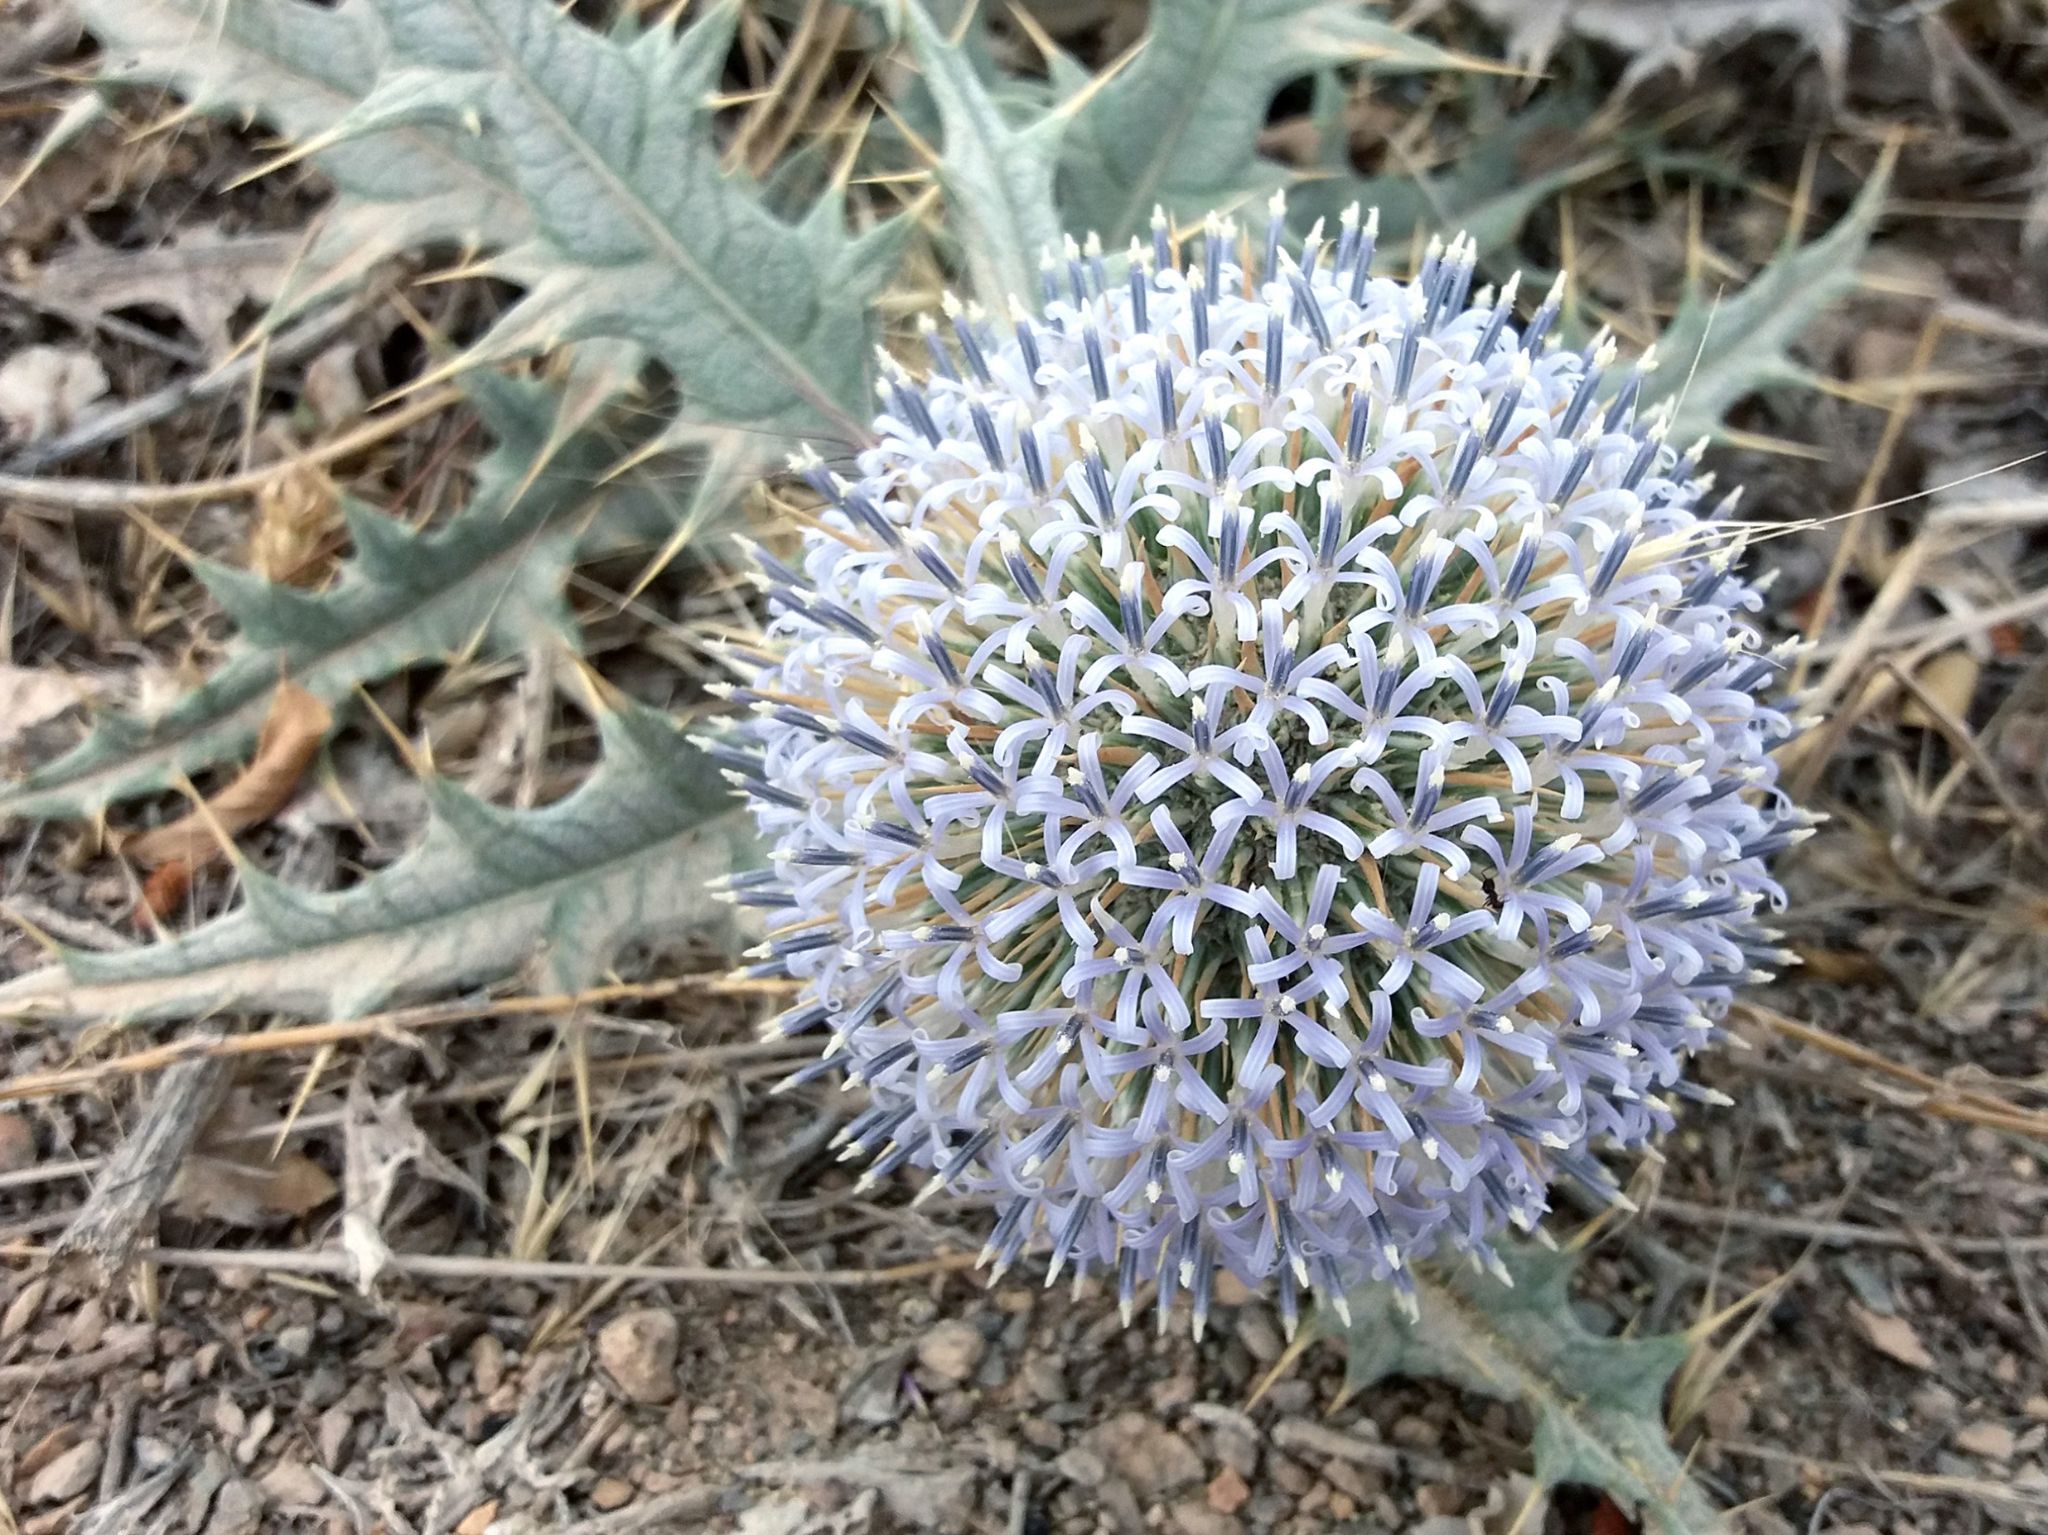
(1262,771)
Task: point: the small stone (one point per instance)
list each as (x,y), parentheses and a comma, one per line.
(1352,1481)
(478,1519)
(1227,1491)
(293,1485)
(1192,1516)
(1416,1432)
(1439,1500)
(1043,1378)
(1083,1467)
(1291,1397)
(487,1363)
(1040,1434)
(951,1350)
(610,1493)
(1257,1332)
(2036,1407)
(1289,1474)
(1170,1395)
(17,1143)
(1933,1404)
(68,1475)
(1268,1509)
(638,1351)
(1994,1441)
(237,1509)
(296,1341)
(1151,1457)
(331,1435)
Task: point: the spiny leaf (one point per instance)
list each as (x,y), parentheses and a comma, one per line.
(997,179)
(489,579)
(585,161)
(1180,125)
(638,233)
(1717,350)
(1598,1402)
(488,892)
(301,68)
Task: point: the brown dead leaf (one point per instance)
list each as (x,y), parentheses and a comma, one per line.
(252,1192)
(1892,1336)
(229,1175)
(298,723)
(478,1519)
(1948,680)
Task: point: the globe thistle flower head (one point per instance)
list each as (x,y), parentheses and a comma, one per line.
(1267,766)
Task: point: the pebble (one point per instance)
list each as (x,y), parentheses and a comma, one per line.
(68,1475)
(1291,1396)
(1043,1378)
(1192,1516)
(609,1493)
(1169,1395)
(1268,1509)
(1259,1334)
(1083,1467)
(1289,1474)
(237,1510)
(1933,1404)
(1417,1432)
(1154,1459)
(1040,1434)
(293,1485)
(487,1363)
(1993,1440)
(951,1350)
(1227,1491)
(638,1351)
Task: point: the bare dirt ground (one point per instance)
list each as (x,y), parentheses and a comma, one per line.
(628,1292)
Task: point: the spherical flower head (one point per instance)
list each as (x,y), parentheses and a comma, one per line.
(1267,767)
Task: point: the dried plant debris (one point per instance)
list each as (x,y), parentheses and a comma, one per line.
(370,537)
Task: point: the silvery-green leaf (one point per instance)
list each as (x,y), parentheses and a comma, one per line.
(1598,1402)
(1719,349)
(638,232)
(998,179)
(1179,125)
(488,580)
(554,892)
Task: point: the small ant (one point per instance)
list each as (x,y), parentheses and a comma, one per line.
(1492,895)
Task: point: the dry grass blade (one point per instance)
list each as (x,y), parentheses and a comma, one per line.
(1945,1100)
(331,1264)
(116,497)
(394,1024)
